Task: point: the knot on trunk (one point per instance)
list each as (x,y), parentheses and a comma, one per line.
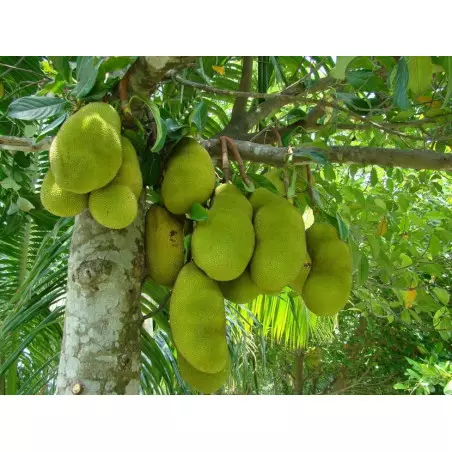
(93,272)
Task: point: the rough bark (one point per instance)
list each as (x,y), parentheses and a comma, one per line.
(148,71)
(101,348)
(277,156)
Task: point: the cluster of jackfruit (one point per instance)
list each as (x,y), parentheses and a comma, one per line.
(246,247)
(93,166)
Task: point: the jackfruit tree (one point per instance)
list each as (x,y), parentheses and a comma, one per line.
(177,225)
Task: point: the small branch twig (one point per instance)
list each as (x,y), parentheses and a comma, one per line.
(224,159)
(124,97)
(232,146)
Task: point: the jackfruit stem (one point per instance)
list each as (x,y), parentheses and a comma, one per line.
(160,307)
(225,159)
(233,148)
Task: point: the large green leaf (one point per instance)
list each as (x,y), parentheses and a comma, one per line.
(36,107)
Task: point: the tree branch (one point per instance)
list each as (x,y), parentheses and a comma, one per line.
(147,72)
(239,108)
(277,156)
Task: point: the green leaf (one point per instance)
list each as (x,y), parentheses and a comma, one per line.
(24,204)
(448,67)
(373,177)
(10,183)
(198,212)
(198,116)
(34,107)
(400,386)
(52,126)
(420,71)
(343,229)
(61,65)
(342,62)
(448,388)
(29,131)
(401,85)
(152,169)
(87,70)
(405,316)
(442,294)
(363,270)
(434,246)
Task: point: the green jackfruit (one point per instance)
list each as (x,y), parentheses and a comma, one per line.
(240,290)
(189,177)
(222,245)
(164,239)
(113,206)
(86,153)
(262,196)
(275,177)
(327,288)
(198,320)
(202,381)
(298,283)
(280,246)
(61,202)
(129,173)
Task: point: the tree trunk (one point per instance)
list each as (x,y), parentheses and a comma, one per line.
(299,371)
(101,348)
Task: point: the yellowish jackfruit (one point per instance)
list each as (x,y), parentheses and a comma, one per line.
(222,245)
(164,240)
(262,196)
(113,206)
(86,153)
(198,320)
(202,381)
(327,288)
(129,173)
(189,177)
(280,246)
(298,283)
(61,202)
(240,290)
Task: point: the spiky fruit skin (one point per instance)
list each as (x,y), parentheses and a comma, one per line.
(129,173)
(86,153)
(298,283)
(189,177)
(59,202)
(262,196)
(164,241)
(113,206)
(198,321)
(223,244)
(327,288)
(241,289)
(280,246)
(202,381)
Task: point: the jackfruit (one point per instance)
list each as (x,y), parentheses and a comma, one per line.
(262,196)
(189,177)
(327,288)
(280,246)
(222,245)
(113,206)
(275,177)
(198,320)
(240,290)
(298,283)
(86,153)
(129,173)
(164,241)
(61,202)
(202,381)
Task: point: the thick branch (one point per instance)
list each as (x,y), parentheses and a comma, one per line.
(239,108)
(277,156)
(148,71)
